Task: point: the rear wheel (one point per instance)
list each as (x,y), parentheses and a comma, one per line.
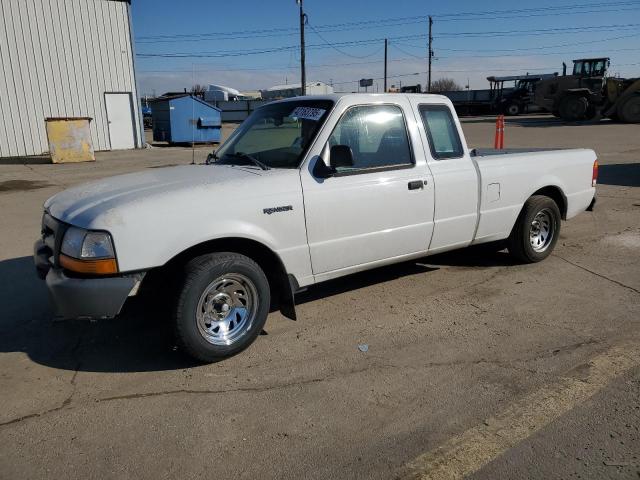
(629,111)
(573,108)
(222,305)
(536,231)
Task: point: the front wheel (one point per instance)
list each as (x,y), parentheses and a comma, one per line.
(513,109)
(536,231)
(573,108)
(629,111)
(222,305)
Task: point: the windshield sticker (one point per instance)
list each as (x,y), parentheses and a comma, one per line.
(308,113)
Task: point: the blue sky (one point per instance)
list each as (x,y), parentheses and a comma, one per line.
(218,42)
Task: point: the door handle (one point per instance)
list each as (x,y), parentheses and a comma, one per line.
(416,184)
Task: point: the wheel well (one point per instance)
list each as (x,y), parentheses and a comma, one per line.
(555,194)
(267,259)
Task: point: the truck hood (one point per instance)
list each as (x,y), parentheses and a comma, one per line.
(85,204)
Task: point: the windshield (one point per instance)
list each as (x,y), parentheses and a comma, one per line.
(276,135)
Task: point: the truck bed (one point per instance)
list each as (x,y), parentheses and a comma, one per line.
(509,176)
(483,152)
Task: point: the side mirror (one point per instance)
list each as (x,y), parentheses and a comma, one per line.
(341,156)
(321,170)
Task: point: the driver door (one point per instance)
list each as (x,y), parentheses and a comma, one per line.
(378,209)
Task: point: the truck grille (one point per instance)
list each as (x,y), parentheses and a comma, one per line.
(52,231)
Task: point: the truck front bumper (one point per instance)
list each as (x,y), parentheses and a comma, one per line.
(89,298)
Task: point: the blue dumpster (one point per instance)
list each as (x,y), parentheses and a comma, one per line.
(185,119)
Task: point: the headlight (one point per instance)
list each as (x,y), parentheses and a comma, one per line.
(85,251)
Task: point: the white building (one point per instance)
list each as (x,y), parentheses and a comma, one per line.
(220,93)
(67,58)
(294,89)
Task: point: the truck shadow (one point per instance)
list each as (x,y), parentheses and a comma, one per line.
(137,341)
(468,257)
(140,339)
(621,174)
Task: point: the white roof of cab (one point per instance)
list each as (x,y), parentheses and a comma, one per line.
(368,97)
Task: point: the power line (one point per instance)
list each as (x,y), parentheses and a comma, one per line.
(526,11)
(573,44)
(236,53)
(398,21)
(546,54)
(538,30)
(339,50)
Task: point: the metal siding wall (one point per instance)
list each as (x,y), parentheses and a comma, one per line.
(37,79)
(130,68)
(7,135)
(58,58)
(15,81)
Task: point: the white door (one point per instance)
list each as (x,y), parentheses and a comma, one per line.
(120,119)
(456,196)
(380,208)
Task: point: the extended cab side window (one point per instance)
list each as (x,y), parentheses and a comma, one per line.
(377,136)
(444,139)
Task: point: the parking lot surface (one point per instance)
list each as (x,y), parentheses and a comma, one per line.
(475,366)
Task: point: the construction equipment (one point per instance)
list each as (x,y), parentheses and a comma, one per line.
(588,93)
(498,98)
(623,99)
(519,99)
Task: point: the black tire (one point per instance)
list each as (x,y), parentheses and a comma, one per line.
(513,109)
(556,113)
(222,269)
(520,241)
(573,108)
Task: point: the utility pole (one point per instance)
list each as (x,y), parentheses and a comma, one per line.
(430,54)
(385,65)
(303,73)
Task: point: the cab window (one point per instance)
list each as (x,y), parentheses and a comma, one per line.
(377,136)
(442,133)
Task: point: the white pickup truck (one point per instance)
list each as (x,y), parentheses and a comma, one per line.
(305,190)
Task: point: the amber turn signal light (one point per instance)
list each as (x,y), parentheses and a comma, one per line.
(101,266)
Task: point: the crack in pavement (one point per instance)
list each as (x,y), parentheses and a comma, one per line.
(620,284)
(67,401)
(211,392)
(503,363)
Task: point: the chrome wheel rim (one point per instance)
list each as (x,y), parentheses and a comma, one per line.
(542,230)
(226,309)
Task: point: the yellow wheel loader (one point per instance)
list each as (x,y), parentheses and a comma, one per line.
(588,93)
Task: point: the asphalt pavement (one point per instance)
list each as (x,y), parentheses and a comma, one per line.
(475,366)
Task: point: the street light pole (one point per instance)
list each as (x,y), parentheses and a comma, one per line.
(303,73)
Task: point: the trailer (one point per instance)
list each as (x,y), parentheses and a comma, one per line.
(498,98)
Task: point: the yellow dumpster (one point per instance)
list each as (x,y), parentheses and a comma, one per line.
(69,139)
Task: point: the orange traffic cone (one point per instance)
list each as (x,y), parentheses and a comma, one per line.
(498,142)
